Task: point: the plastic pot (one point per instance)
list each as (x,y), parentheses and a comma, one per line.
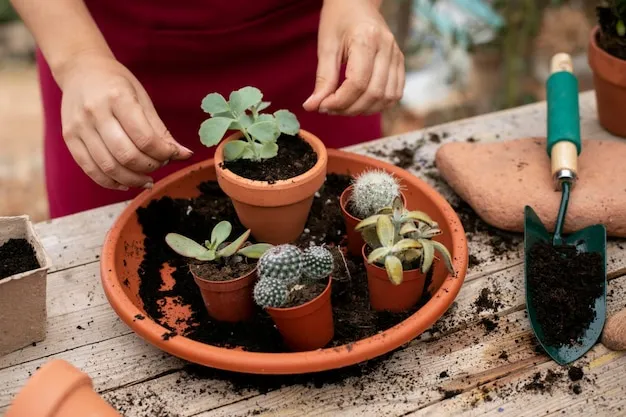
(355,240)
(609,79)
(275,213)
(58,389)
(385,295)
(229,301)
(308,326)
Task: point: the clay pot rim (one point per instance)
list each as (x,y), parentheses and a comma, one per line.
(593,41)
(285,311)
(404,271)
(255,185)
(599,60)
(287,362)
(343,202)
(223,283)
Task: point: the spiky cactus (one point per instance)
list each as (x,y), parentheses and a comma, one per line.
(283,262)
(317,262)
(372,191)
(270,292)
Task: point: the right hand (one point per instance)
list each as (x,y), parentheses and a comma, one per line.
(110,125)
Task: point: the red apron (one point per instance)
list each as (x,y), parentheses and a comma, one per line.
(181,51)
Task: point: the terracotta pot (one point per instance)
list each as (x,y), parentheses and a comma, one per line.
(228,300)
(308,326)
(275,213)
(58,389)
(609,79)
(386,296)
(355,240)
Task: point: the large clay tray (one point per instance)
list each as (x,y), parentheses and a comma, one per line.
(123,252)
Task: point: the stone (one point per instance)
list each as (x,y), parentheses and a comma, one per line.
(498,179)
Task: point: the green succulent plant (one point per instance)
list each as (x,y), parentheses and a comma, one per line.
(242,112)
(215,249)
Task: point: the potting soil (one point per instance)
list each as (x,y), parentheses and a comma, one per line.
(17,256)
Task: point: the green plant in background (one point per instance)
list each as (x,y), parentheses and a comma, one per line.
(7,13)
(242,112)
(611,15)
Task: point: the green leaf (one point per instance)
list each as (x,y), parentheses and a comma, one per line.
(266,118)
(245,120)
(408,228)
(268,150)
(412,254)
(447,258)
(248,153)
(377,255)
(213,130)
(385,231)
(220,233)
(231,249)
(215,103)
(264,131)
(394,269)
(368,222)
(620,28)
(287,122)
(405,244)
(233,150)
(244,98)
(263,105)
(420,217)
(255,251)
(429,254)
(188,248)
(370,237)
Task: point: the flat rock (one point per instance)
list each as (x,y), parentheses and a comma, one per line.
(497,179)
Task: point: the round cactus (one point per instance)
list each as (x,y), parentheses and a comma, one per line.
(283,262)
(372,191)
(270,292)
(317,262)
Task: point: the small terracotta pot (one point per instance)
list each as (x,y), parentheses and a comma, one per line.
(386,296)
(58,389)
(609,79)
(275,213)
(355,240)
(308,326)
(230,301)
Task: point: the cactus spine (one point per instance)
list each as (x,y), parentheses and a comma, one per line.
(317,262)
(373,190)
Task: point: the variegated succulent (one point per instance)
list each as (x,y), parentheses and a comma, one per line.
(215,249)
(399,237)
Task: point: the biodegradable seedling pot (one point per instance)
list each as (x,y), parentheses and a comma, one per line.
(355,239)
(385,295)
(609,79)
(308,326)
(275,213)
(231,300)
(58,389)
(23,296)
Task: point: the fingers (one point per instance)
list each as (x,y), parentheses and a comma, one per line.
(82,157)
(401,71)
(327,76)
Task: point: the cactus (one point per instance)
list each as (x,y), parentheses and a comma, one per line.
(373,190)
(270,292)
(283,262)
(317,262)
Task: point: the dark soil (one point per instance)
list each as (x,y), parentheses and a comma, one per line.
(17,256)
(488,300)
(194,218)
(295,157)
(564,286)
(212,271)
(307,293)
(608,38)
(575,373)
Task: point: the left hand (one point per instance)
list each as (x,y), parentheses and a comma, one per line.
(355,33)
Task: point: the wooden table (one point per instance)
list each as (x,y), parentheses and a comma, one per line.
(481,372)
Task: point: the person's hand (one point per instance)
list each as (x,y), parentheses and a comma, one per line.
(355,33)
(110,125)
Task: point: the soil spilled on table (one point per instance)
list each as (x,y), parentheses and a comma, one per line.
(194,218)
(564,285)
(608,39)
(295,157)
(17,256)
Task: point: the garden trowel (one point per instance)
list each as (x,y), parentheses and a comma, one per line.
(564,146)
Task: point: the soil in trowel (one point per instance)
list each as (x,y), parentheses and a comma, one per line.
(564,285)
(17,256)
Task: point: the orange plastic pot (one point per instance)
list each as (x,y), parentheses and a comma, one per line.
(275,213)
(231,300)
(355,240)
(386,296)
(58,389)
(609,79)
(308,326)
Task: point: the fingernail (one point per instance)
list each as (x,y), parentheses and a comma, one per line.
(323,110)
(186,149)
(148,185)
(308,100)
(122,188)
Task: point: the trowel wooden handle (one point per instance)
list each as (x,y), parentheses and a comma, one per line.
(564,143)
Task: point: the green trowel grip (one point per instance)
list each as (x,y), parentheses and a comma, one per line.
(563,110)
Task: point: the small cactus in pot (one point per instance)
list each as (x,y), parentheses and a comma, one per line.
(285,271)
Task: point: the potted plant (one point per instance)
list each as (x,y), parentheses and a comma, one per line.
(607,59)
(270,168)
(24,267)
(222,271)
(294,287)
(370,191)
(398,253)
